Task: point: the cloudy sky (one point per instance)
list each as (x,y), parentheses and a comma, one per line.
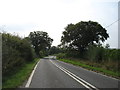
(52,16)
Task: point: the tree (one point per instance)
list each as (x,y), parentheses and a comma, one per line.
(107,46)
(54,50)
(79,36)
(40,41)
(16,51)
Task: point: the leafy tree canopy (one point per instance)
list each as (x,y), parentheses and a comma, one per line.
(54,50)
(40,41)
(80,35)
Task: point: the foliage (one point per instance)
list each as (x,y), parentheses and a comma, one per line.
(83,40)
(97,56)
(112,54)
(91,66)
(61,56)
(79,36)
(41,42)
(15,80)
(95,53)
(100,54)
(15,52)
(54,50)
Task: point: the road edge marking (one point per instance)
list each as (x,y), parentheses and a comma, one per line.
(80,79)
(76,77)
(90,70)
(31,76)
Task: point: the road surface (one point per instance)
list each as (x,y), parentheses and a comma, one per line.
(51,73)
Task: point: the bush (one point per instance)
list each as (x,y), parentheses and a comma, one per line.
(100,54)
(61,56)
(15,52)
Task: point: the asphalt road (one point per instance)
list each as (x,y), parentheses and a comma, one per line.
(51,73)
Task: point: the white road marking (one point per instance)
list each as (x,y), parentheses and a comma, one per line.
(90,70)
(31,76)
(78,79)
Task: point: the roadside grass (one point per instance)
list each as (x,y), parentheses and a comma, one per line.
(20,76)
(115,74)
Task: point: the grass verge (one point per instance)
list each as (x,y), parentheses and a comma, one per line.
(96,69)
(20,76)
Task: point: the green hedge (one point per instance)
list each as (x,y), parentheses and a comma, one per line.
(100,54)
(15,52)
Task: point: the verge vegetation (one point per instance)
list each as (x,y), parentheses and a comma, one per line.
(22,74)
(93,66)
(18,56)
(81,44)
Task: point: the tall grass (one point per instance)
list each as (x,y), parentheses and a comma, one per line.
(100,54)
(92,66)
(105,58)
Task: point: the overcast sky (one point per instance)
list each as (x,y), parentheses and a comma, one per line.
(52,16)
